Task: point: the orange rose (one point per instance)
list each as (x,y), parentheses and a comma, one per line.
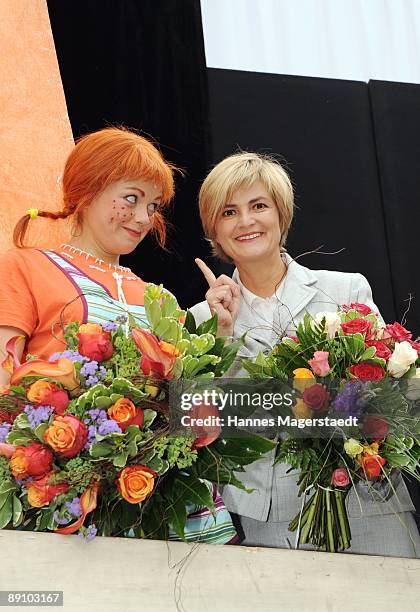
(40,493)
(33,460)
(372,464)
(90,328)
(94,342)
(45,393)
(135,483)
(66,435)
(125,413)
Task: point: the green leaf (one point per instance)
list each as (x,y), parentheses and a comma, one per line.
(6,487)
(103,402)
(195,491)
(169,305)
(201,344)
(206,327)
(149,417)
(19,437)
(6,513)
(243,451)
(177,515)
(397,459)
(190,324)
(17,511)
(369,353)
(101,450)
(40,431)
(228,356)
(120,460)
(160,466)
(189,366)
(153,312)
(114,397)
(22,421)
(163,327)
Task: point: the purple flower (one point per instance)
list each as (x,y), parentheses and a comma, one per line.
(108,427)
(89,368)
(109,326)
(4,430)
(88,533)
(91,532)
(38,415)
(74,507)
(122,319)
(60,521)
(350,400)
(93,373)
(91,381)
(74,356)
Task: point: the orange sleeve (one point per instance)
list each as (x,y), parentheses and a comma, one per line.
(17,303)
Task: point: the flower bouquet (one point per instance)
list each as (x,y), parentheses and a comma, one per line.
(355,387)
(85,441)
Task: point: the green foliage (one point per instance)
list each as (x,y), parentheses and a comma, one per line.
(125,359)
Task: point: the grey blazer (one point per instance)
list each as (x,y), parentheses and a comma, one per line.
(303,290)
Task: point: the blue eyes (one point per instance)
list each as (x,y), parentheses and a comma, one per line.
(230,212)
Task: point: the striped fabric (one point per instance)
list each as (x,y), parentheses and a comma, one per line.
(203,527)
(100,306)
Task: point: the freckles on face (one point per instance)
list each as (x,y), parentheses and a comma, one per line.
(121,212)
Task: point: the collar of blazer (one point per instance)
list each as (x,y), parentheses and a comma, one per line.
(299,286)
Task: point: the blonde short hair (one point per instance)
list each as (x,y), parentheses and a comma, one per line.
(240,171)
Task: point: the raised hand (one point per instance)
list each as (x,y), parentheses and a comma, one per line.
(223,298)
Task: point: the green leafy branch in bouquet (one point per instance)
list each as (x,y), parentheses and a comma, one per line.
(102,396)
(22,433)
(10,504)
(343,350)
(125,360)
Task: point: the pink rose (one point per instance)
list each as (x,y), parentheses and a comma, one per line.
(319,363)
(340,477)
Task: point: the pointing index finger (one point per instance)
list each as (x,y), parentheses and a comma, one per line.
(208,274)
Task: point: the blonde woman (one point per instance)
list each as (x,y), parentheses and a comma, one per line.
(246,207)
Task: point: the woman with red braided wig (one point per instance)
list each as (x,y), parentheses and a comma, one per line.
(115,186)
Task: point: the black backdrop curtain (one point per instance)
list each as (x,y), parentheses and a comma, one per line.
(142,64)
(323,129)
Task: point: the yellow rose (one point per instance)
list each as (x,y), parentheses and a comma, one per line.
(301,410)
(303,378)
(353,447)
